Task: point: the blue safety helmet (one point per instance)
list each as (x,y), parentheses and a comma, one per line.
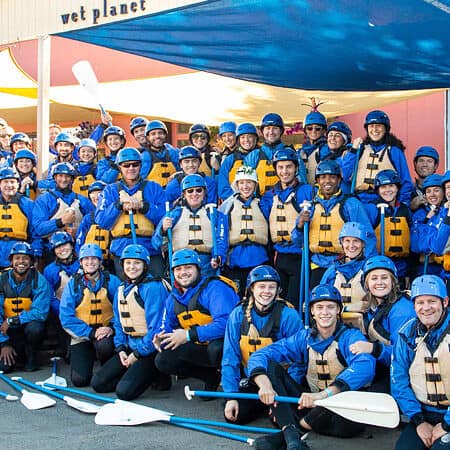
(262,273)
(128,154)
(325,292)
(137,122)
(315,118)
(354,230)
(379,262)
(377,117)
(445,178)
(114,131)
(96,186)
(185,256)
(135,251)
(272,120)
(21,248)
(87,250)
(227,127)
(189,152)
(64,137)
(192,181)
(60,238)
(88,142)
(428,151)
(21,137)
(428,285)
(25,154)
(63,168)
(432,180)
(385,177)
(246,128)
(156,125)
(199,128)
(328,167)
(7,173)
(285,154)
(343,128)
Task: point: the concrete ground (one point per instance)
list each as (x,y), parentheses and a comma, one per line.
(65,428)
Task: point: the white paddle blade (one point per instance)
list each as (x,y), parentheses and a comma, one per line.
(128,414)
(36,401)
(84,407)
(364,407)
(54,379)
(11,398)
(85,75)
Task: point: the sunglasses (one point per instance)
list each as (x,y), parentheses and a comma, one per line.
(311,128)
(132,164)
(3,136)
(199,136)
(198,190)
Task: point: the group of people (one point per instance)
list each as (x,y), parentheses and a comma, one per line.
(257,266)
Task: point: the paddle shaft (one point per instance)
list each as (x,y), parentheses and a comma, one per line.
(355,170)
(8,380)
(212,213)
(236,395)
(7,396)
(170,247)
(100,398)
(40,388)
(132,227)
(306,271)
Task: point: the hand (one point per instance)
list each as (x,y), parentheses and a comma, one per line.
(106,118)
(130,360)
(425,432)
(357,142)
(4,327)
(215,262)
(68,216)
(132,204)
(167,223)
(215,161)
(231,410)
(157,341)
(438,432)
(103,332)
(8,355)
(123,358)
(303,217)
(266,393)
(307,399)
(361,347)
(417,202)
(171,341)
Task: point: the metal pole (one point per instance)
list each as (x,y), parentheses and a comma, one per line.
(43,106)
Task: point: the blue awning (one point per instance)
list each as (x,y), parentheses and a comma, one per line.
(347,45)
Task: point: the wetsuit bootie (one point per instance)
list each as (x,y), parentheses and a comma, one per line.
(273,441)
(292,436)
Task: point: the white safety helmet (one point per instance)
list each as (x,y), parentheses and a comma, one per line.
(244,173)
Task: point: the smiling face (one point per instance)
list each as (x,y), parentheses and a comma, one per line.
(325,314)
(133,268)
(21,263)
(376,131)
(63,180)
(434,195)
(379,283)
(424,166)
(130,171)
(272,134)
(114,142)
(190,165)
(429,309)
(229,139)
(64,149)
(246,188)
(328,184)
(352,247)
(24,165)
(335,140)
(186,275)
(264,293)
(90,264)
(194,196)
(286,171)
(247,141)
(388,192)
(86,154)
(156,138)
(63,252)
(8,187)
(314,132)
(139,135)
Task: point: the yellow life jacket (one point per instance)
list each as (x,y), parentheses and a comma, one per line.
(122,227)
(324,229)
(445,258)
(238,161)
(311,163)
(64,278)
(204,166)
(95,309)
(61,208)
(81,184)
(429,373)
(375,330)
(132,312)
(13,222)
(282,218)
(193,230)
(247,224)
(16,302)
(99,236)
(162,168)
(369,165)
(267,176)
(267,334)
(194,314)
(324,368)
(396,235)
(352,291)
